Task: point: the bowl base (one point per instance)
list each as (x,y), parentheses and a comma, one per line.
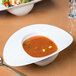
(21,11)
(47,61)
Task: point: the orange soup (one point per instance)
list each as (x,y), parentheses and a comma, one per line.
(39,46)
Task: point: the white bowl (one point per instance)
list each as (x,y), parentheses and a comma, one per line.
(20,10)
(47,60)
(14,54)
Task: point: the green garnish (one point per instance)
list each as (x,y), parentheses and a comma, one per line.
(49,42)
(25,44)
(16,2)
(24,1)
(28,47)
(3,1)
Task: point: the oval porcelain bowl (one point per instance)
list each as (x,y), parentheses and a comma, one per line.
(14,54)
(20,10)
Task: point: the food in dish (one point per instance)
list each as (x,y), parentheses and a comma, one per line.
(10,3)
(39,46)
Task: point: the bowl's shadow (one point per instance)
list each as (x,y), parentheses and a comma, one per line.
(44,5)
(3,14)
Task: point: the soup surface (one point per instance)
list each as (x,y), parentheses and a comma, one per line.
(39,46)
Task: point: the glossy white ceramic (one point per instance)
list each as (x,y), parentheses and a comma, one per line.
(15,55)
